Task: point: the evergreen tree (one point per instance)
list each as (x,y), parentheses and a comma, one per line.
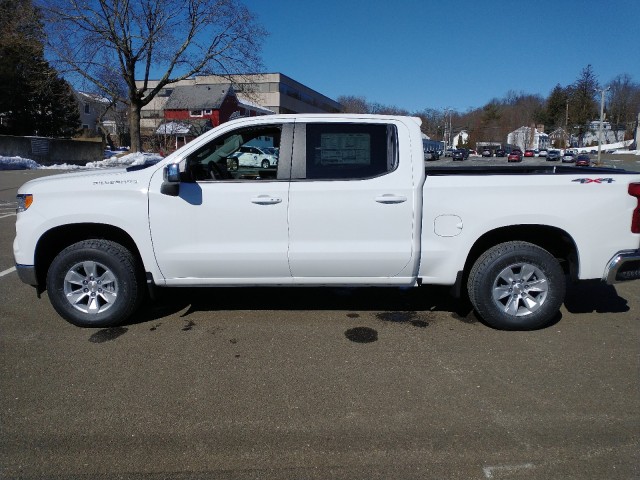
(34,99)
(582,104)
(556,108)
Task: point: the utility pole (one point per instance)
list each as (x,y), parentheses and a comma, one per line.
(602,92)
(566,127)
(636,137)
(446,135)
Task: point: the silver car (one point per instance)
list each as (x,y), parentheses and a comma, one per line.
(553,155)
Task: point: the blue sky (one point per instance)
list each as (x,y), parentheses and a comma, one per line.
(437,54)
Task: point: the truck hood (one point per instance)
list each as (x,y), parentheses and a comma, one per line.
(86,179)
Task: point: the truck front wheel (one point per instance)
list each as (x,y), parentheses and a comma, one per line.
(93,283)
(517,286)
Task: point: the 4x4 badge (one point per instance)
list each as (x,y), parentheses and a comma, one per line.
(594,180)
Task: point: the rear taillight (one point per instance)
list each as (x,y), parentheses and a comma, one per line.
(634,190)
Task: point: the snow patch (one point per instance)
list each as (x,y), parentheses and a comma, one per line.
(130,159)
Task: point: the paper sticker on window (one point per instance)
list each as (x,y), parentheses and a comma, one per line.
(344,148)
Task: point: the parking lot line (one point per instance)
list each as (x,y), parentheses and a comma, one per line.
(8,215)
(7,271)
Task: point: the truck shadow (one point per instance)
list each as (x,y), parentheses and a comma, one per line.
(374,299)
(583,297)
(594,296)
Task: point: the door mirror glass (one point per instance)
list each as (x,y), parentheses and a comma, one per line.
(171,184)
(172,173)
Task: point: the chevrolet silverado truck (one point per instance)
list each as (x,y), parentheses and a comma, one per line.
(349,203)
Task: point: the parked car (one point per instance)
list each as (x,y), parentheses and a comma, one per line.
(568,157)
(252,157)
(583,160)
(500,153)
(553,155)
(543,152)
(515,156)
(529,153)
(272,151)
(460,154)
(431,155)
(486,153)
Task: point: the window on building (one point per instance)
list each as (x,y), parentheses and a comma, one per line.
(350,151)
(87,108)
(195,113)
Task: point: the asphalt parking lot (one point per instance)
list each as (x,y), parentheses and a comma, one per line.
(316,384)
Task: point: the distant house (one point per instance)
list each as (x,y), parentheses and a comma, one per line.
(191,110)
(610,133)
(91,107)
(559,138)
(101,117)
(529,138)
(248,108)
(197,103)
(176,133)
(460,138)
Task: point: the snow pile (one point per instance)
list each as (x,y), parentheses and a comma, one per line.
(131,159)
(17,163)
(627,152)
(616,148)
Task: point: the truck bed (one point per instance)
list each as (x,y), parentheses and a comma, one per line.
(524,170)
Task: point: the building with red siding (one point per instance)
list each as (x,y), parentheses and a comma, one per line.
(201,103)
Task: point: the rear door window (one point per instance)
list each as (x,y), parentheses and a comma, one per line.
(344,151)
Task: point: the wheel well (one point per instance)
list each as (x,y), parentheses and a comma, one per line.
(59,238)
(554,240)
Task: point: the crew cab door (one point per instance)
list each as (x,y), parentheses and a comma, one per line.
(352,202)
(228,222)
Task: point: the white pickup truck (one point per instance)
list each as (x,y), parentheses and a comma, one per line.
(349,203)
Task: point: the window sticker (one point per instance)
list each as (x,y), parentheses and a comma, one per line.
(344,148)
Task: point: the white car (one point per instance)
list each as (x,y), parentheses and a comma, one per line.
(252,157)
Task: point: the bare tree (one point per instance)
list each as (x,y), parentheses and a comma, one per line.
(353,104)
(170,40)
(623,102)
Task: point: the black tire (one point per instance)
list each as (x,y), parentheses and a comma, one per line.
(233,165)
(266,164)
(517,286)
(94,283)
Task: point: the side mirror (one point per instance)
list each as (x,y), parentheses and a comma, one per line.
(171,180)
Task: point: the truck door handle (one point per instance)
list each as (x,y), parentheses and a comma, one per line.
(266,200)
(390,198)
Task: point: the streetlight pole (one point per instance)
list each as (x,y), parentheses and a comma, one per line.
(601,120)
(446,133)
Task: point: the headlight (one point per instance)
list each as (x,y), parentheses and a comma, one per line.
(24,201)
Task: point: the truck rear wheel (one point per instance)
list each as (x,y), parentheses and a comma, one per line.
(517,286)
(93,283)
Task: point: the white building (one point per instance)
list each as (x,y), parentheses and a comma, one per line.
(460,138)
(529,138)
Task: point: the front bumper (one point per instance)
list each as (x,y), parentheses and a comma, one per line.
(27,273)
(623,266)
